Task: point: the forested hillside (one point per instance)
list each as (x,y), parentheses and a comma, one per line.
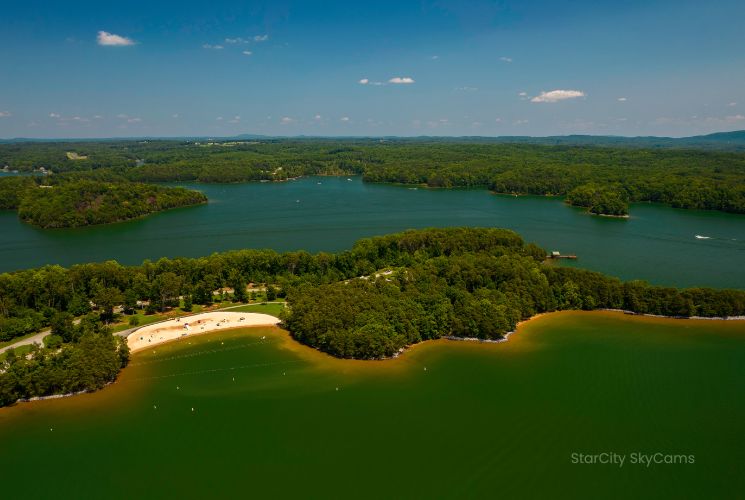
(602,178)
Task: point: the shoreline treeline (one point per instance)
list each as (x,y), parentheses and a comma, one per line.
(469,282)
(75,202)
(602,178)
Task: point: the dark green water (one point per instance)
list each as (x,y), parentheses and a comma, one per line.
(657,244)
(486,421)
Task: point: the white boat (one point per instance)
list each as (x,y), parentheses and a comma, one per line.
(699,237)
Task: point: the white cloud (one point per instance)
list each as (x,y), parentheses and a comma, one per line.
(364,81)
(523,94)
(622,99)
(247,53)
(557,95)
(434,58)
(317,117)
(506,59)
(344,118)
(236,40)
(175,115)
(520,122)
(286,120)
(55,115)
(212,47)
(261,38)
(97,117)
(134,120)
(122,116)
(219,119)
(5,114)
(732,104)
(401,79)
(466,89)
(735,118)
(236,119)
(112,40)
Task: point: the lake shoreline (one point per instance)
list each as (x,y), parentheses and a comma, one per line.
(403,351)
(174,329)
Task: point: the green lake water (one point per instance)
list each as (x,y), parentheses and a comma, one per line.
(657,244)
(447,419)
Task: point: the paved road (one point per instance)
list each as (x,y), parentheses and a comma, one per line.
(38,339)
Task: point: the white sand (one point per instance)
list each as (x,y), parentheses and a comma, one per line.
(158,333)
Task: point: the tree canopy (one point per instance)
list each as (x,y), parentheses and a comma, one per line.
(681,178)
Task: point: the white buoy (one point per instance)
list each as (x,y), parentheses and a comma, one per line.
(337,388)
(192,409)
(425,368)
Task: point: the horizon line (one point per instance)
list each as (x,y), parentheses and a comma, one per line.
(305,136)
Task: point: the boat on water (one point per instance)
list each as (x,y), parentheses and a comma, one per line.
(699,237)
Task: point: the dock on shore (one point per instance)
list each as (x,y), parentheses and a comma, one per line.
(557,255)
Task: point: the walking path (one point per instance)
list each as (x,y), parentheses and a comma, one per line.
(35,339)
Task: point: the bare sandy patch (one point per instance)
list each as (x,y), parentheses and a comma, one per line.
(187,326)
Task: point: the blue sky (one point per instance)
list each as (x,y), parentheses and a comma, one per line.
(429,67)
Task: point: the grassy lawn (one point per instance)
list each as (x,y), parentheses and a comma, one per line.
(145,319)
(21,350)
(142,319)
(271,309)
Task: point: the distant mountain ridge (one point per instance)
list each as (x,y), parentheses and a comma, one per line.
(720,141)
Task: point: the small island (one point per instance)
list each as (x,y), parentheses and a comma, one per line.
(600,200)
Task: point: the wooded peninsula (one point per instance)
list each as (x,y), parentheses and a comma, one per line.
(604,179)
(369,302)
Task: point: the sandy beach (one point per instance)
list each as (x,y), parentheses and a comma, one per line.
(187,326)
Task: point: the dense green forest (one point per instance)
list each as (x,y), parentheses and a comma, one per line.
(71,200)
(368,302)
(89,362)
(599,200)
(602,178)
